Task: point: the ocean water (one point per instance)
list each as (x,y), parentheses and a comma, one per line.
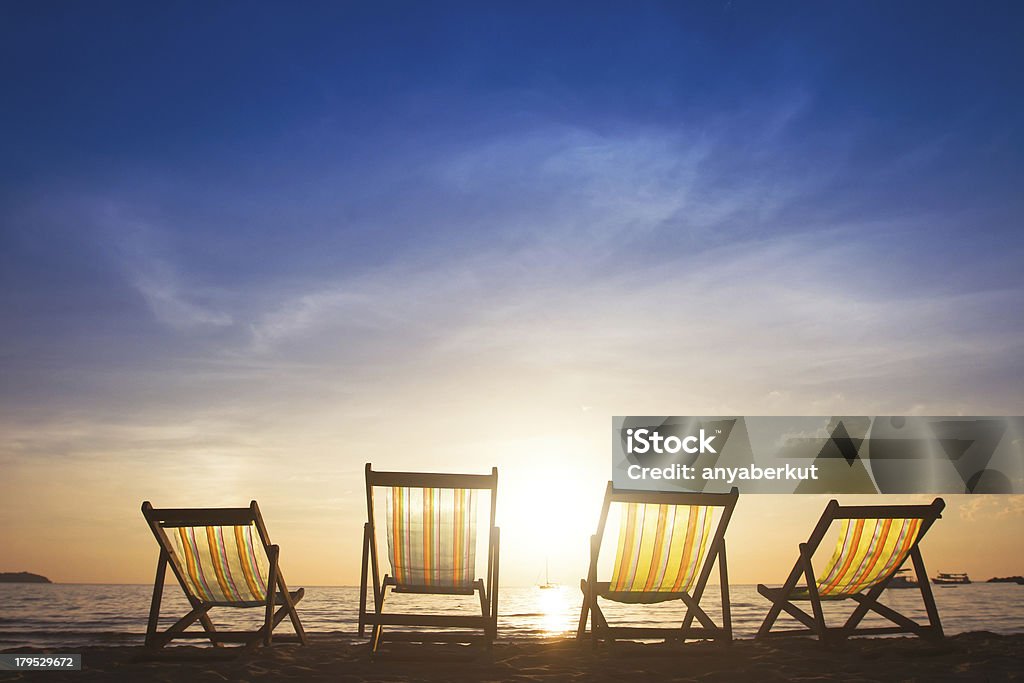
(49,615)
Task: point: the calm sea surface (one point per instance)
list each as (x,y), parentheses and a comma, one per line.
(66,614)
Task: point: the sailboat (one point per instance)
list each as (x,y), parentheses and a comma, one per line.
(547,581)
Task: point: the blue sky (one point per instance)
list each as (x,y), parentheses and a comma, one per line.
(240,239)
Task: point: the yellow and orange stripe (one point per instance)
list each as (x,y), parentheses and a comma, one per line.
(216,570)
(661,548)
(432,536)
(867,552)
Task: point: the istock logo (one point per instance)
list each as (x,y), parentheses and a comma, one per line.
(645,441)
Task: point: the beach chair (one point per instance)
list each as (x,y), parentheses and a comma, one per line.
(431,522)
(668,544)
(874,542)
(221,557)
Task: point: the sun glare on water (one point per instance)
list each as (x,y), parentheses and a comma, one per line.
(555,609)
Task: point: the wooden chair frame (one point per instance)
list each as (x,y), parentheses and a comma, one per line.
(599,627)
(160,519)
(803,571)
(487,588)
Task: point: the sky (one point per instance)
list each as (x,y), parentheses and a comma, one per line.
(247,248)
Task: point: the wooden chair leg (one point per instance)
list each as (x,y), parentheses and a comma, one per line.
(723,577)
(864,603)
(197,613)
(687,621)
(289,605)
(924,583)
(495,588)
(892,615)
(584,610)
(694,609)
(781,597)
(485,611)
(297,625)
(268,622)
(812,592)
(773,611)
(770,618)
(158,592)
(485,606)
(598,623)
(782,602)
(207,623)
(362,579)
(375,631)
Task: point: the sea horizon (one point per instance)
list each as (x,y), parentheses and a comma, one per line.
(86,615)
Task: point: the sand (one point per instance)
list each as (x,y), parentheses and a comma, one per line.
(971,656)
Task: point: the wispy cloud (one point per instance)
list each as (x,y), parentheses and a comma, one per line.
(605,265)
(173,301)
(992,507)
(566,276)
(636,260)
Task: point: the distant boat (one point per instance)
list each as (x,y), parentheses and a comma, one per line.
(547,582)
(902,579)
(951,579)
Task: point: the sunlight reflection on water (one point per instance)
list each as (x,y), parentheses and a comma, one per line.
(88,614)
(555,607)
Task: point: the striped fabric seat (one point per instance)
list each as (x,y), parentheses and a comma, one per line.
(661,548)
(222,564)
(868,552)
(432,536)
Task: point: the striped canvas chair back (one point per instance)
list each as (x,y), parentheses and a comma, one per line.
(662,547)
(867,552)
(432,536)
(221,564)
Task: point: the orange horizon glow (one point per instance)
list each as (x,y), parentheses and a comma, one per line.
(98,535)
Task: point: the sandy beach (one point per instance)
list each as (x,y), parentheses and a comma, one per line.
(970,656)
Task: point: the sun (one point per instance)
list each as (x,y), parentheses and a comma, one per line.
(547,521)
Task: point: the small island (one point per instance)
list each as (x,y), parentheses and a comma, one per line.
(1007,579)
(22,577)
